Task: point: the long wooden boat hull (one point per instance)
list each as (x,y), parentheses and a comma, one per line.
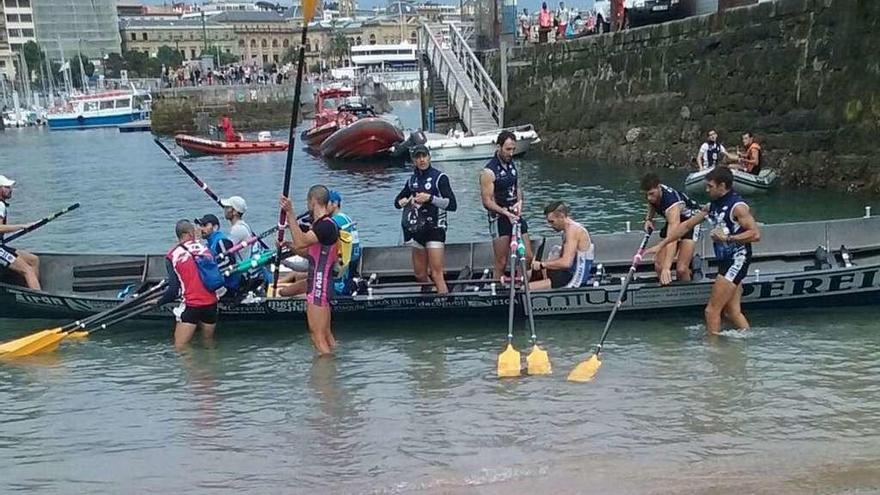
(797,265)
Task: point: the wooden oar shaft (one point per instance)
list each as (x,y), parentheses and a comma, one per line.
(291,139)
(204,187)
(39,223)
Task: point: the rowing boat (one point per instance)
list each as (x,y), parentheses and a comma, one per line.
(824,263)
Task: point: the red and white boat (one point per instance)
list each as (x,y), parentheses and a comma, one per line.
(202,146)
(346,128)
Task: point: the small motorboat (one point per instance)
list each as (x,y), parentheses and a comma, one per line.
(460,147)
(743,182)
(327,118)
(365,137)
(203,146)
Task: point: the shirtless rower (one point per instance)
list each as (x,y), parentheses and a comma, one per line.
(503,199)
(19,261)
(572,268)
(735,229)
(675,207)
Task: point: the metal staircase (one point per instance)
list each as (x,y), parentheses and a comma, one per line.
(469,89)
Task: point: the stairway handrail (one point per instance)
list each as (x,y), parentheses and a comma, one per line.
(499,99)
(439,48)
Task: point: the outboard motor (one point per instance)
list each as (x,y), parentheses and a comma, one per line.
(401,150)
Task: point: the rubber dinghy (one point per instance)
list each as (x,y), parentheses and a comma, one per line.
(743,182)
(202,146)
(363,138)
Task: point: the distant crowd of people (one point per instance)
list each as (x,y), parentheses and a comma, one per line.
(566,23)
(235,74)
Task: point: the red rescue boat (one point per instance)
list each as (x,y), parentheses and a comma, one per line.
(327,115)
(364,138)
(197,145)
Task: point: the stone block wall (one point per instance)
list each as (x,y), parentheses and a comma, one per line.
(803,75)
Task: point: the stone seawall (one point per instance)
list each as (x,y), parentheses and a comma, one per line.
(803,75)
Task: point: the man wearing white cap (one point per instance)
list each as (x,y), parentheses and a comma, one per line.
(18,260)
(233,209)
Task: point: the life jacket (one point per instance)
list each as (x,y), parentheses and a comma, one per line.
(348,247)
(193,290)
(756,169)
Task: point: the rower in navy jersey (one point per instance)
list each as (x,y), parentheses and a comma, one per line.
(711,152)
(676,207)
(427,196)
(734,231)
(503,199)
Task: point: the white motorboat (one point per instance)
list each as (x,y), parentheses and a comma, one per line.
(460,147)
(743,182)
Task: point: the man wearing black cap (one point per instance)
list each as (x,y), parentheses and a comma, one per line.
(218,243)
(426,197)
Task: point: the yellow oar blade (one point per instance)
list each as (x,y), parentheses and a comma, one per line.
(48,341)
(78,335)
(509,363)
(586,370)
(538,361)
(23,342)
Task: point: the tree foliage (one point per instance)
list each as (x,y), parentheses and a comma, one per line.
(169,57)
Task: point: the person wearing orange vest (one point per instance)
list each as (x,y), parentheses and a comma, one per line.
(545,23)
(198,307)
(751,159)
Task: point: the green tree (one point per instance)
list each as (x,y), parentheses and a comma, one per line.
(33,56)
(169,57)
(75,70)
(136,63)
(337,49)
(290,55)
(113,64)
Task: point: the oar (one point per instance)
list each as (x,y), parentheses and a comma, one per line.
(308,10)
(39,223)
(586,370)
(130,313)
(509,361)
(45,339)
(537,362)
(245,243)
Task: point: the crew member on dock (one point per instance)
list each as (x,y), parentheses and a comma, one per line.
(572,268)
(198,308)
(711,152)
(676,207)
(320,247)
(427,196)
(503,199)
(751,159)
(735,229)
(19,261)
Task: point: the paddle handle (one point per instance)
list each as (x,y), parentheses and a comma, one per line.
(39,223)
(204,187)
(637,258)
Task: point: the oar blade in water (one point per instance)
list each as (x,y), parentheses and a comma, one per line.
(46,342)
(21,343)
(509,363)
(82,334)
(538,361)
(586,370)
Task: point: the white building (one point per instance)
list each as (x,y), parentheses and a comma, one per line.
(19,17)
(7,70)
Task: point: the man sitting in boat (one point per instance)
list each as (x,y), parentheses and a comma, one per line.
(572,268)
(343,281)
(219,243)
(676,207)
(228,130)
(234,209)
(751,159)
(711,152)
(19,261)
(735,229)
(426,197)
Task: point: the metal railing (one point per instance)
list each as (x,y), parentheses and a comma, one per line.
(484,85)
(445,70)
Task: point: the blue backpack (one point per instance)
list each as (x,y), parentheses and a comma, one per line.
(209,271)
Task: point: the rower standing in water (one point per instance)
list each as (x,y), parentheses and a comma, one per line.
(430,196)
(19,261)
(319,246)
(735,229)
(572,268)
(503,200)
(676,207)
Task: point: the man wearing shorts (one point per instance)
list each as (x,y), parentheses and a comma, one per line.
(572,268)
(319,246)
(735,229)
(428,195)
(198,308)
(676,207)
(17,260)
(503,199)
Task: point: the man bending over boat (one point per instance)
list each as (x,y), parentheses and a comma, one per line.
(733,234)
(503,199)
(19,261)
(427,196)
(320,247)
(572,268)
(676,207)
(198,308)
